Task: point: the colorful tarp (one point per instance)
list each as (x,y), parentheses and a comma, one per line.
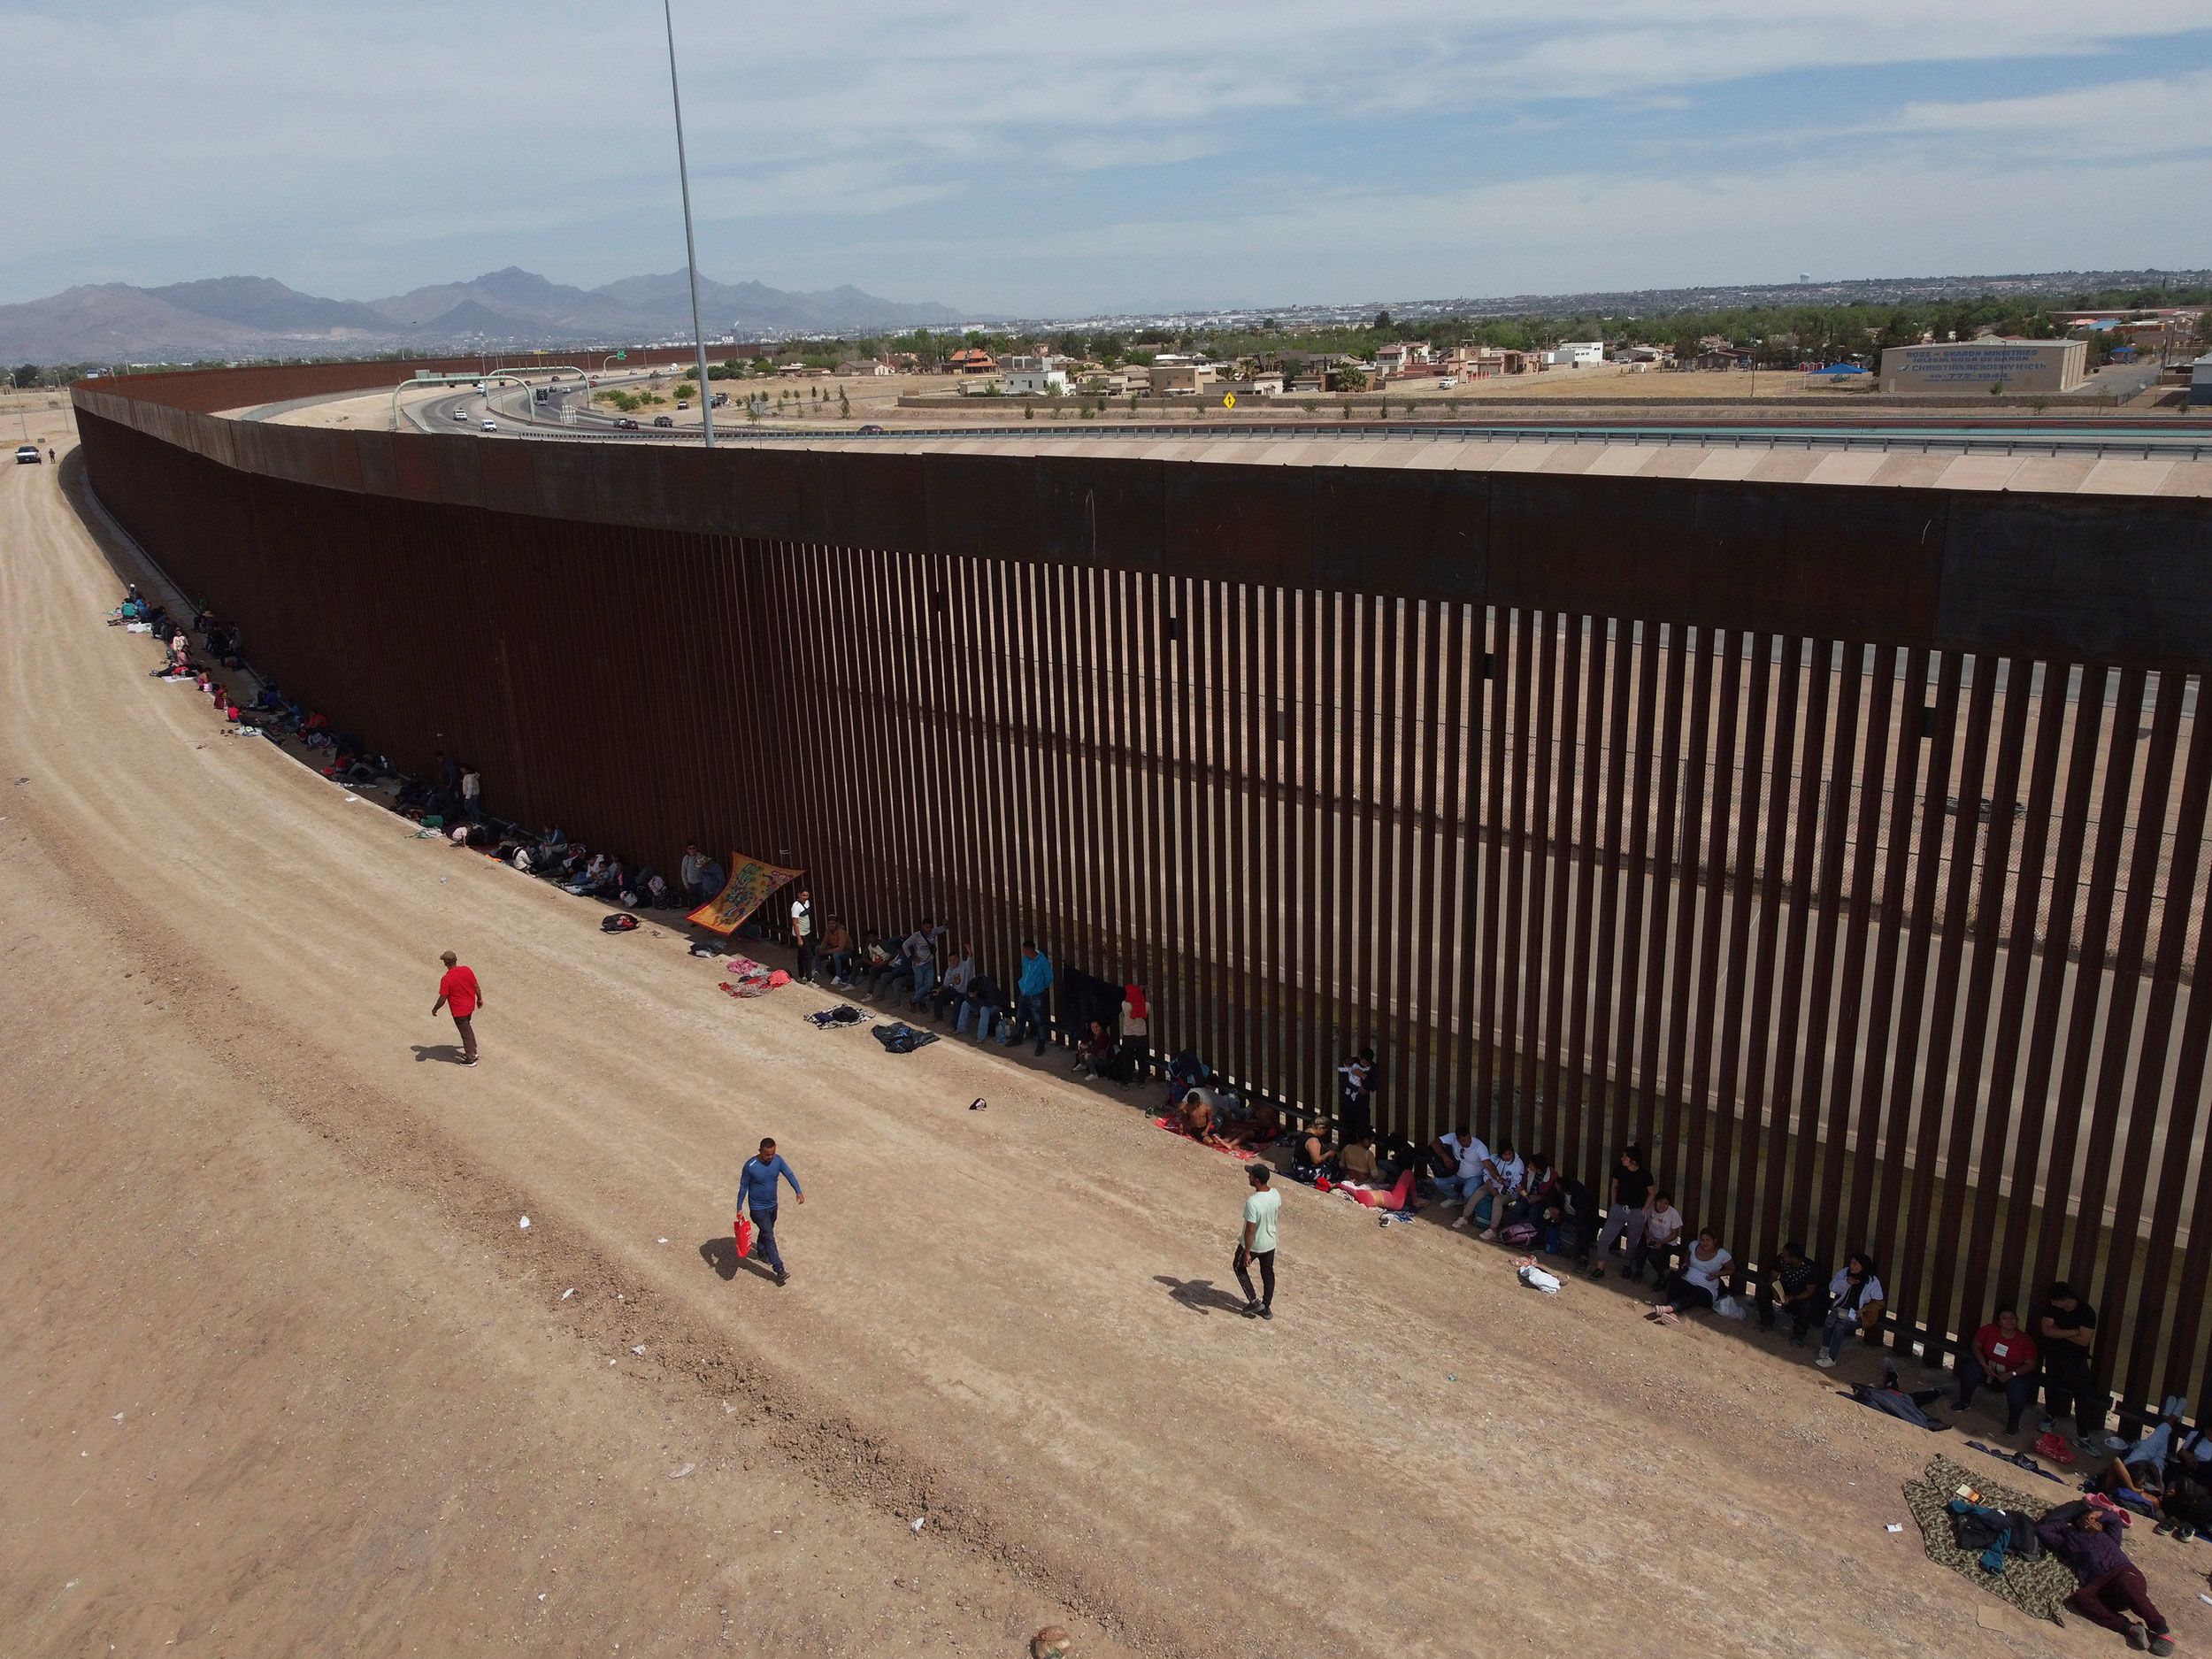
(750,883)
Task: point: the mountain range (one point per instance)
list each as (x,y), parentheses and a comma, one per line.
(258,316)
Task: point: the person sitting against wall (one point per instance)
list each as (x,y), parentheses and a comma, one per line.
(587,879)
(1501,1178)
(986,1003)
(1567,1220)
(1095,1052)
(1456,1160)
(1700,1281)
(1310,1155)
(1663,1237)
(837,953)
(1197,1120)
(1855,1299)
(1538,1188)
(1796,1291)
(952,989)
(2002,1355)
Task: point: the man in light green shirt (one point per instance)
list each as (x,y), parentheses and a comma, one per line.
(1257,1243)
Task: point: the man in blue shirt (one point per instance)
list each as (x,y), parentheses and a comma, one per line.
(757,1192)
(1030,992)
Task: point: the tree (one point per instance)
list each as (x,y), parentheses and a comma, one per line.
(1351,377)
(26,375)
(1382,322)
(844,404)
(1133,402)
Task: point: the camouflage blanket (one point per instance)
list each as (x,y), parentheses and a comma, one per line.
(2038,1588)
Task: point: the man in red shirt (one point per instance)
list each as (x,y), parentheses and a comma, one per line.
(459,992)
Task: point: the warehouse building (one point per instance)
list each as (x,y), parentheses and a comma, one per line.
(1966,366)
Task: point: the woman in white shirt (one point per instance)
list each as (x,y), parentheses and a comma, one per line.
(1855,1306)
(1702,1279)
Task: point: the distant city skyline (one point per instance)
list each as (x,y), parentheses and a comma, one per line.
(1062,161)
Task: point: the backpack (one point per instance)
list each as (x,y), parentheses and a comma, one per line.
(2053,1445)
(620,922)
(1519,1232)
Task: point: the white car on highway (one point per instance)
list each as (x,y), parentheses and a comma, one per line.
(461,414)
(490,425)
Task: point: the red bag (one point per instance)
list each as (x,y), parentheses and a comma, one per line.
(744,1238)
(2055,1447)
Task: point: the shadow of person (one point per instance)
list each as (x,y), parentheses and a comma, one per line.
(449,1052)
(1200,1296)
(720,1254)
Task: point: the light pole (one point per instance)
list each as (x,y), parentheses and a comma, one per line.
(691,248)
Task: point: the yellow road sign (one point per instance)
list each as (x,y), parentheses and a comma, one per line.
(1228,400)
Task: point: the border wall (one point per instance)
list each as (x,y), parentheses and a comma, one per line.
(1846,847)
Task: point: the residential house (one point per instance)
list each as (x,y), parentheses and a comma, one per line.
(864,369)
(1576,354)
(971,360)
(1035,382)
(1172,380)
(1402,357)
(1720,357)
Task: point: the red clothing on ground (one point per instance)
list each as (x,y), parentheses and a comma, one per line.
(2016,1352)
(459,987)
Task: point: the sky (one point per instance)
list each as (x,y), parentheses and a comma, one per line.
(1055,159)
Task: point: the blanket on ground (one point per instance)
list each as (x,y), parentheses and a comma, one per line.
(1243,1154)
(2038,1588)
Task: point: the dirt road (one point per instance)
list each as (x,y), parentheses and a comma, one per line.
(288,1375)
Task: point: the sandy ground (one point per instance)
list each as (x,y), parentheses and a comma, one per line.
(288,1375)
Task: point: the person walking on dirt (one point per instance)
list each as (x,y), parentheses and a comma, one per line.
(757,1193)
(1257,1243)
(459,992)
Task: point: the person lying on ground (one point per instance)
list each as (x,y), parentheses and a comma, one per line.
(1253,1124)
(1702,1280)
(1855,1299)
(1095,1054)
(1663,1237)
(2142,1467)
(2004,1357)
(2108,1584)
(952,990)
(837,953)
(1501,1178)
(1463,1157)
(984,1002)
(1795,1292)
